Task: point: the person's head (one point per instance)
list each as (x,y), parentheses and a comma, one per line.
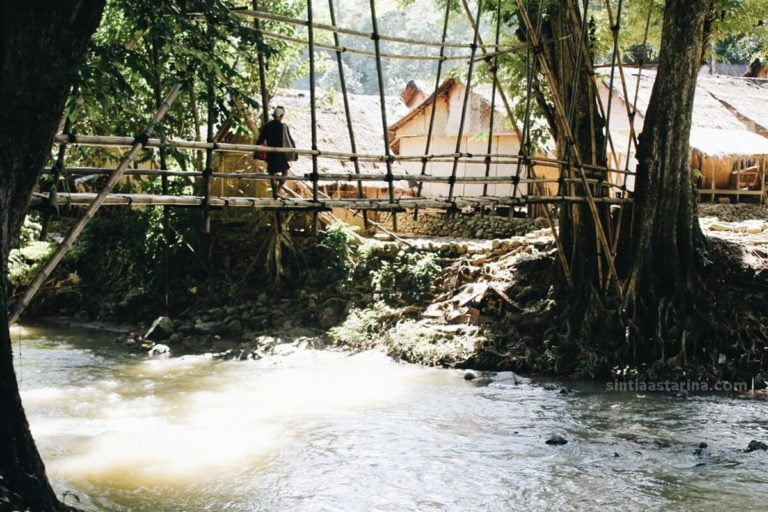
(278,113)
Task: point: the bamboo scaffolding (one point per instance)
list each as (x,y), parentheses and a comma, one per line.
(93,207)
(566,128)
(401,203)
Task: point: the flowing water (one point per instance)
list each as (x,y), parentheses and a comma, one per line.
(326,431)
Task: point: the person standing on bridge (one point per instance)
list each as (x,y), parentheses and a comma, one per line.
(276,134)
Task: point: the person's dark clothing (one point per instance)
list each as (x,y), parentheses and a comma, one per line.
(272,134)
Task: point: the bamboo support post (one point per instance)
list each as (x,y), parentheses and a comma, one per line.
(158,93)
(383,103)
(347,109)
(262,69)
(494,69)
(313,107)
(431,127)
(502,94)
(90,211)
(57,170)
(465,102)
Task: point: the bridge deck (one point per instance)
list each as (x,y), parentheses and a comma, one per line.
(400,203)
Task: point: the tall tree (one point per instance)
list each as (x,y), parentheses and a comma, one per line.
(41,44)
(666,245)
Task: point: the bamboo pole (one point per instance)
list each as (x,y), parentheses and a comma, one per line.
(86,198)
(502,94)
(568,133)
(347,109)
(368,35)
(383,103)
(467,93)
(431,127)
(58,168)
(494,69)
(121,141)
(262,70)
(158,93)
(331,177)
(313,108)
(93,207)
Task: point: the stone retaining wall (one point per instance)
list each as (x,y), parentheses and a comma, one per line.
(466,226)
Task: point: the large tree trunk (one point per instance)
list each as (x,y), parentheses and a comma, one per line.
(666,242)
(41,44)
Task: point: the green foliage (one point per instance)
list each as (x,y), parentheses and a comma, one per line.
(340,253)
(405,276)
(363,327)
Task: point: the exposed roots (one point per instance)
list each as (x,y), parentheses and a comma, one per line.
(716,327)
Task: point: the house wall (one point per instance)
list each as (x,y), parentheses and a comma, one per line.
(503,144)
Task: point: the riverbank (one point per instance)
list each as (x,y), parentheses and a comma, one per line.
(435,301)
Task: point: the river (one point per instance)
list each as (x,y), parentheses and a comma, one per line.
(326,431)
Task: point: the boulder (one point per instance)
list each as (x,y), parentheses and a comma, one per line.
(233,328)
(557,440)
(159,350)
(161,329)
(209,327)
(755,445)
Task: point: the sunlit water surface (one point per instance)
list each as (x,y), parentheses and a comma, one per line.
(326,431)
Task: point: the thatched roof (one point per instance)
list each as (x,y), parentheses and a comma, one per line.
(747,97)
(708,111)
(332,131)
(728,143)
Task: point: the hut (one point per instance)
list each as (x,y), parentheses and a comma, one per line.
(728,153)
(409,137)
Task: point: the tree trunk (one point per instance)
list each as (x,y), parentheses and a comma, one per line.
(41,44)
(666,242)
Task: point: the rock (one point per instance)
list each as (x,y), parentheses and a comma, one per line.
(557,440)
(616,455)
(755,445)
(161,329)
(564,391)
(209,327)
(702,444)
(224,345)
(234,327)
(159,350)
(469,376)
(176,337)
(716,226)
